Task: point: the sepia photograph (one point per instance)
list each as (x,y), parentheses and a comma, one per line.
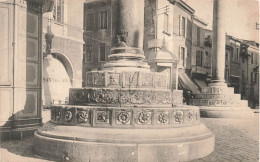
(129,80)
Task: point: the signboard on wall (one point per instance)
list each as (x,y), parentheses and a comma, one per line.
(56,82)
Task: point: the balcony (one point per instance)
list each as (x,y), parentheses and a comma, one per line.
(201,70)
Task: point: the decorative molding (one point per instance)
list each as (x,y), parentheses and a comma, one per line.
(112,96)
(118,117)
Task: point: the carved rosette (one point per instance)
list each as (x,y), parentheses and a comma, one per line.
(163,118)
(189,116)
(123,118)
(68,116)
(178,116)
(58,114)
(83,117)
(144,118)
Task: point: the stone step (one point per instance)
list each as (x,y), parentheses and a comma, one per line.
(219,102)
(217,90)
(218,96)
(244,102)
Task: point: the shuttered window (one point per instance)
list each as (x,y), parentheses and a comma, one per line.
(103,20)
(102,52)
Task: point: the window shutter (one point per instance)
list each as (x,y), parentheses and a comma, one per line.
(186,28)
(179,24)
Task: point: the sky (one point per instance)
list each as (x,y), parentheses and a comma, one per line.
(241,19)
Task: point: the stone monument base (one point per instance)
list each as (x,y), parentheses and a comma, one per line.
(76,143)
(221,102)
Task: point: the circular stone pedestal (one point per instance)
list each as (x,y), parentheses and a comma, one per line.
(75,143)
(124,116)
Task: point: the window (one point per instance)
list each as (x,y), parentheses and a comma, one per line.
(58,10)
(166,21)
(232,55)
(90,22)
(102,52)
(252,78)
(237,56)
(252,58)
(182,57)
(199,58)
(226,56)
(243,76)
(256,78)
(183,26)
(198,36)
(103,20)
(227,74)
(87,53)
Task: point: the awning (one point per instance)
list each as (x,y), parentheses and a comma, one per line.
(200,83)
(185,83)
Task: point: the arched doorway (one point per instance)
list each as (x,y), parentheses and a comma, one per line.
(57,79)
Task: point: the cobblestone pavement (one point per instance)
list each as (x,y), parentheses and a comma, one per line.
(236,140)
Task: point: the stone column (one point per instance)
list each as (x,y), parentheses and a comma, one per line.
(217,100)
(218,49)
(127,43)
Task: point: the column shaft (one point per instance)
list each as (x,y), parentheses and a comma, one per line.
(218,49)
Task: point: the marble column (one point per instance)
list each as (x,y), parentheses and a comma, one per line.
(127,42)
(218,49)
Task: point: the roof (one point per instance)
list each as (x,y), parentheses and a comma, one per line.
(203,22)
(183,5)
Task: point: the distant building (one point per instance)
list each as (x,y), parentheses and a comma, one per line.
(98,26)
(250,73)
(241,67)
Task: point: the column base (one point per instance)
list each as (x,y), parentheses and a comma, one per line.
(75,143)
(221,102)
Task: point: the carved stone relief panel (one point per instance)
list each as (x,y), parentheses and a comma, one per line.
(83,116)
(113,80)
(98,79)
(130,79)
(146,80)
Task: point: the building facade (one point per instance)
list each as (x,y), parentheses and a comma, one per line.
(21,66)
(63,68)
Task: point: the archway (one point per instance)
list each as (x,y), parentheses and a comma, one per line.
(57,79)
